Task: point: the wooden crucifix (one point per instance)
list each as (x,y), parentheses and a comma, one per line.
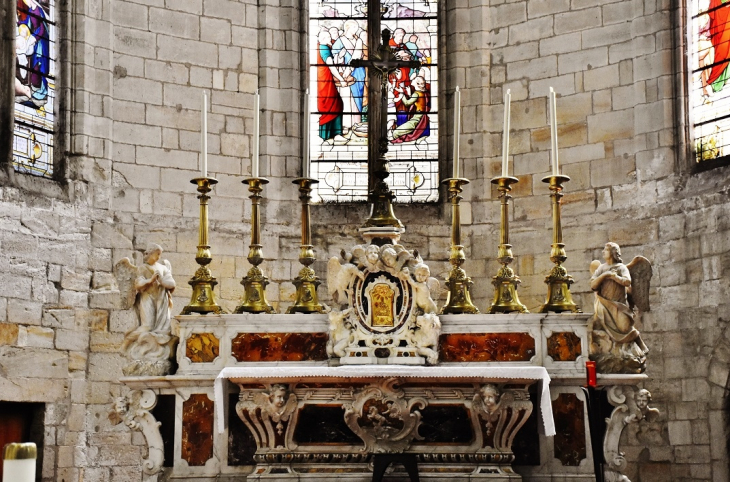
(382,61)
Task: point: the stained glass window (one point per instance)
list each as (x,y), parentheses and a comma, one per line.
(338,106)
(709,96)
(35,87)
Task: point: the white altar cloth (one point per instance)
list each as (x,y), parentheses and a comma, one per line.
(480,374)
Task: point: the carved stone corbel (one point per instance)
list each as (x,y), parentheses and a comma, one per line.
(382,417)
(501,415)
(268,415)
(134,410)
(632,406)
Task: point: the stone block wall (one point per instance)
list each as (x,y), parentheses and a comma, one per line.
(132,73)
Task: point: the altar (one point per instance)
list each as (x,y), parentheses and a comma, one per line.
(388,368)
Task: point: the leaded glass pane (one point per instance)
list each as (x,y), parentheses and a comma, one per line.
(338,104)
(35,87)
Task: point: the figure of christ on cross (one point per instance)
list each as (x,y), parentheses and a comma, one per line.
(381,63)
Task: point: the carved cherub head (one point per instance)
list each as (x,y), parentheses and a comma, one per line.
(390,257)
(490,397)
(421,273)
(612,253)
(643,397)
(372,254)
(152,254)
(278,396)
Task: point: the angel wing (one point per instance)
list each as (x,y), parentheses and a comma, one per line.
(333,275)
(434,287)
(641,272)
(125,272)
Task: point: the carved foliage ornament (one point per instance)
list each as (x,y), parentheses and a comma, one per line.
(382,417)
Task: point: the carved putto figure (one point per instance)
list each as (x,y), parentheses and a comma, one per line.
(622,293)
(425,336)
(149,287)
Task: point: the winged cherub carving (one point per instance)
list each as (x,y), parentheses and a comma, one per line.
(340,277)
(622,293)
(149,288)
(276,405)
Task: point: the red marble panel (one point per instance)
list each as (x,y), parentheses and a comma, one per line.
(197,429)
(253,347)
(570,430)
(482,347)
(202,347)
(564,346)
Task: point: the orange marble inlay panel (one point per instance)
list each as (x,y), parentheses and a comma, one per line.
(252,347)
(564,346)
(202,347)
(482,347)
(570,445)
(197,429)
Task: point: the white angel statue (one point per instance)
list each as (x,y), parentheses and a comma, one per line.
(151,346)
(616,344)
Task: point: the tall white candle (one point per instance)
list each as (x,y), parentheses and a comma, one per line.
(204,136)
(505,135)
(19,462)
(255,151)
(305,137)
(457,130)
(554,133)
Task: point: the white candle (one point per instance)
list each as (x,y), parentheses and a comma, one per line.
(305,137)
(19,462)
(554,133)
(457,130)
(255,151)
(204,136)
(505,135)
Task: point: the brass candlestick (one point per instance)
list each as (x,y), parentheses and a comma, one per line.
(505,283)
(307,281)
(254,283)
(203,298)
(459,284)
(559,298)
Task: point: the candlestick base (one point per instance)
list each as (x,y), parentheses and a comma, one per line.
(203,299)
(254,293)
(307,302)
(458,301)
(505,284)
(559,298)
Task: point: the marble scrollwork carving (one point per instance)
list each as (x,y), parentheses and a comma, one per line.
(387,312)
(267,415)
(632,406)
(383,418)
(501,415)
(133,410)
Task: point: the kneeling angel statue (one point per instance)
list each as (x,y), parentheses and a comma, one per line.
(150,347)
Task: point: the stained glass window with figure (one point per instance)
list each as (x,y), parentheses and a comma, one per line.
(35,87)
(339,111)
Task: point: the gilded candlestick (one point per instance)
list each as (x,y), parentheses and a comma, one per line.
(459,284)
(254,283)
(307,281)
(203,299)
(559,298)
(506,282)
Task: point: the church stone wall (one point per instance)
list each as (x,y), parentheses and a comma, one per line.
(133,72)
